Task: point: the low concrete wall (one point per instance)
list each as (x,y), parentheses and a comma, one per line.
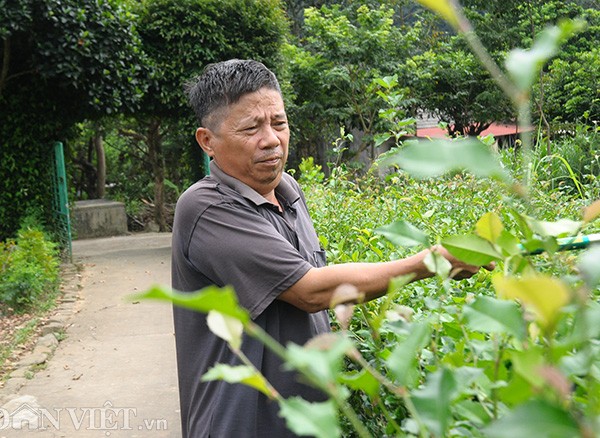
(98,218)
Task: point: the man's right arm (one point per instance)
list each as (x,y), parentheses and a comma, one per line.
(313,292)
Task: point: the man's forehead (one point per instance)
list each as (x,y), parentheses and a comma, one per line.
(257,104)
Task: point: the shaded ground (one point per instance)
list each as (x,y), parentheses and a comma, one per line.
(114,373)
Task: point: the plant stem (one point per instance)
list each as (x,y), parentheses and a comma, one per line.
(257,332)
(526,145)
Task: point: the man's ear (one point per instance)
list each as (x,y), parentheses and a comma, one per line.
(205,138)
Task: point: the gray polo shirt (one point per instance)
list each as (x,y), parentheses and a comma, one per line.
(225,233)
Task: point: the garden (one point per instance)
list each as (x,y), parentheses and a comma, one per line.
(514,351)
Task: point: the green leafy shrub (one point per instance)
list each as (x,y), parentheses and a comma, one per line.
(29,268)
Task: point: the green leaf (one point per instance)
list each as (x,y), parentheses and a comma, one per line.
(223,300)
(536,418)
(524,65)
(471,249)
(427,159)
(559,228)
(402,233)
(239,374)
(437,264)
(528,363)
(589,267)
(361,381)
(491,315)
(543,294)
(402,361)
(323,364)
(227,328)
(473,412)
(433,401)
(489,227)
(509,243)
(310,419)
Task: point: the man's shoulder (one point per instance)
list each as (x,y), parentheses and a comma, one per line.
(203,187)
(289,179)
(208,192)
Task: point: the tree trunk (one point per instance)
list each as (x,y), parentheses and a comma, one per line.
(5,63)
(157,161)
(98,141)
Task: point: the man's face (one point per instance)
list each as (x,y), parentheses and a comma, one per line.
(250,140)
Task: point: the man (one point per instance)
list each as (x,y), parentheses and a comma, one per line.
(247,225)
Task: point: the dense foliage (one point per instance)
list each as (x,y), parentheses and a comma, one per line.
(62,61)
(346,213)
(29,268)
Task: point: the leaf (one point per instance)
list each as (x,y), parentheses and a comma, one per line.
(322,363)
(591,212)
(471,249)
(310,419)
(427,159)
(346,294)
(361,381)
(443,8)
(542,294)
(490,315)
(402,361)
(239,374)
(223,300)
(509,243)
(524,65)
(489,227)
(437,264)
(559,228)
(433,401)
(227,328)
(402,233)
(536,418)
(527,363)
(589,266)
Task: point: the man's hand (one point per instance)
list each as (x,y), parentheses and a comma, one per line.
(460,270)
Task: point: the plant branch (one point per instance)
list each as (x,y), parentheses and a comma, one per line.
(5,63)
(133,134)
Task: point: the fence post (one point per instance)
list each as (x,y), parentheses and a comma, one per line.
(61,197)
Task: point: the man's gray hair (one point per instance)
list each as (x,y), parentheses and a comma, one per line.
(224,83)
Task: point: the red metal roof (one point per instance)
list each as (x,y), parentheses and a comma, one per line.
(498,129)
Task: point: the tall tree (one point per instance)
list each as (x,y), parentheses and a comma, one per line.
(452,84)
(332,70)
(62,61)
(180,37)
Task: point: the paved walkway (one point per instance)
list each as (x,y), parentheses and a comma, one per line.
(114,373)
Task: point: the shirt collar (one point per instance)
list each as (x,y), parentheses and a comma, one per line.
(285,188)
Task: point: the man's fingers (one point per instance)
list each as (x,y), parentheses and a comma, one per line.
(490,266)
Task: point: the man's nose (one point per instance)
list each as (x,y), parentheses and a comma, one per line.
(270,139)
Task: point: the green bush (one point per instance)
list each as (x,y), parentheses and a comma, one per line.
(431,314)
(29,268)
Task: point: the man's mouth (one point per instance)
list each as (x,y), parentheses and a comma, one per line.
(270,160)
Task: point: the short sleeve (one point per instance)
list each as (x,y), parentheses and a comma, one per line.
(235,245)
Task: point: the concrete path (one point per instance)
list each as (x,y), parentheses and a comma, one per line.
(114,373)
